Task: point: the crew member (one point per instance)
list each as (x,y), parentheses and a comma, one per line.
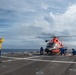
(65,51)
(41,51)
(0,56)
(73,52)
(0,52)
(62,51)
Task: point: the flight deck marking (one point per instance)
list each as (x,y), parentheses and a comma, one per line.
(29,58)
(54,61)
(72,70)
(16,58)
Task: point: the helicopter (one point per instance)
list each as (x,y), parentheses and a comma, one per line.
(53,46)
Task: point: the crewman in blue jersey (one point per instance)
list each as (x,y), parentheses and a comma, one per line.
(73,51)
(63,51)
(41,51)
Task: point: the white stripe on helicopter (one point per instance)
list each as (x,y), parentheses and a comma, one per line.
(29,58)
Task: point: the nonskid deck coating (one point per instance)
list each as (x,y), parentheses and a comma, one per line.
(37,65)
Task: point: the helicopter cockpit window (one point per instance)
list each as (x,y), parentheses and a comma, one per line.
(50,45)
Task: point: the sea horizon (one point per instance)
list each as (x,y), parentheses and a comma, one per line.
(23,50)
(18,50)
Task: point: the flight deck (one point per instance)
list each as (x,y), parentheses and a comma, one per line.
(36,64)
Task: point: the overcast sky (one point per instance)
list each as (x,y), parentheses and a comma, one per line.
(22,22)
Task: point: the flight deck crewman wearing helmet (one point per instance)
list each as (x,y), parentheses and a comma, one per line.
(41,51)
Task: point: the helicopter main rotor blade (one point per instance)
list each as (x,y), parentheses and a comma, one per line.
(67,36)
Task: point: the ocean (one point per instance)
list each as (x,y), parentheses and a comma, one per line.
(18,50)
(23,50)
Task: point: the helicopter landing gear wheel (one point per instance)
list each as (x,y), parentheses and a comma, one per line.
(49,53)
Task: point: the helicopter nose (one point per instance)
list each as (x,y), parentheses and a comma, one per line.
(51,48)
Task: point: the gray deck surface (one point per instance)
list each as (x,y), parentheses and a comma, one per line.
(24,64)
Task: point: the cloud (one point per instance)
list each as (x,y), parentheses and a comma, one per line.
(44,5)
(65,21)
(22,21)
(64,24)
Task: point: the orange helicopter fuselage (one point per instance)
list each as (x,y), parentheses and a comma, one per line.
(57,45)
